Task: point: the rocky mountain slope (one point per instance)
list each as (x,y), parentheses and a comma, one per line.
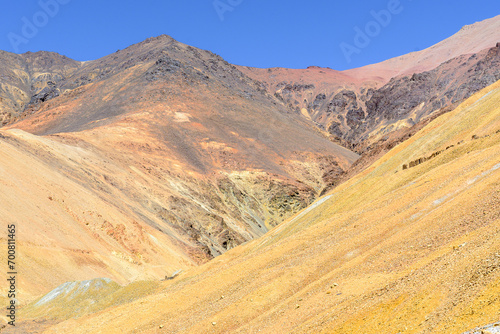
(394,249)
(28,79)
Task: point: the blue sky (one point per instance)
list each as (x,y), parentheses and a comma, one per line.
(259,33)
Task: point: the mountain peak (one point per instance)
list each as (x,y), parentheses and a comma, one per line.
(160,38)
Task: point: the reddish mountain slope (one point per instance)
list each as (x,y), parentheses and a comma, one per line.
(360,106)
(471,39)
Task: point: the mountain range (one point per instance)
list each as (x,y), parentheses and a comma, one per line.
(284,200)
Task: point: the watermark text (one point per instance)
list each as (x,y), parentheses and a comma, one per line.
(11,274)
(30,26)
(224,6)
(364,35)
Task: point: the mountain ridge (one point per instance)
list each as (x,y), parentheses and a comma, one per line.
(351,110)
(171,145)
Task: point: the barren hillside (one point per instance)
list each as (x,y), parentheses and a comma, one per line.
(394,249)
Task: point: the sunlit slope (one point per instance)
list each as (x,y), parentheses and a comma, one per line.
(72,223)
(392,250)
(73,299)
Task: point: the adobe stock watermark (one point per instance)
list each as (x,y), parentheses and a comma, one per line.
(31,26)
(372,29)
(224,6)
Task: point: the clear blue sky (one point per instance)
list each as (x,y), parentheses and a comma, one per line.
(259,33)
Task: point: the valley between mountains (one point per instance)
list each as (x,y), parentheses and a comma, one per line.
(284,200)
